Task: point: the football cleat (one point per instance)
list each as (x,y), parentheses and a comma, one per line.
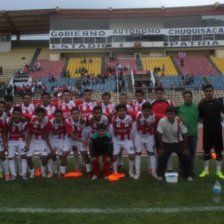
(220,175)
(204,173)
(7,177)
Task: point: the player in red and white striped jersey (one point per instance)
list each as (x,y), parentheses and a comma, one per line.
(16,128)
(97,118)
(144,136)
(107,107)
(74,126)
(46,104)
(56,137)
(67,103)
(86,109)
(38,140)
(139,100)
(27,106)
(3,140)
(122,126)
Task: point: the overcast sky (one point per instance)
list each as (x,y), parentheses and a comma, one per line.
(91,4)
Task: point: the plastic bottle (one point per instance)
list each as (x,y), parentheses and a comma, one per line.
(217,190)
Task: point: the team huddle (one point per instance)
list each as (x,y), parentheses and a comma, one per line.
(91,129)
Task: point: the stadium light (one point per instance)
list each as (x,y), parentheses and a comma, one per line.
(216,4)
(57,9)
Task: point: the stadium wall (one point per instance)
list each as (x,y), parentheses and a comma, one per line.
(5,46)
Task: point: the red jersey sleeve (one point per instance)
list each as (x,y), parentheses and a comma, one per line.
(133,114)
(78,102)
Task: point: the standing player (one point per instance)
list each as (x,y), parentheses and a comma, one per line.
(122,126)
(65,106)
(107,107)
(74,126)
(159,107)
(145,137)
(3,144)
(27,106)
(15,134)
(8,99)
(139,100)
(38,140)
(210,111)
(57,137)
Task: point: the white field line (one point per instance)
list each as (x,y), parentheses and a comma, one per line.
(113,210)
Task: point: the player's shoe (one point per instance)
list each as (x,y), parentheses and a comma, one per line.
(220,175)
(204,173)
(190,179)
(94,177)
(7,177)
(136,177)
(131,174)
(154,175)
(1,174)
(90,174)
(159,178)
(60,175)
(13,177)
(50,175)
(32,173)
(24,177)
(149,171)
(43,174)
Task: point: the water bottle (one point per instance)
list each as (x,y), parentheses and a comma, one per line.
(217,190)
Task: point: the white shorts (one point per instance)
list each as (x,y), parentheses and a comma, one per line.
(69,143)
(38,145)
(58,145)
(144,140)
(16,146)
(87,132)
(126,144)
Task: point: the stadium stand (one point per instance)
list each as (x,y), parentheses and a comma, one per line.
(44,54)
(217,81)
(14,60)
(196,65)
(151,63)
(219,61)
(125,61)
(53,67)
(90,66)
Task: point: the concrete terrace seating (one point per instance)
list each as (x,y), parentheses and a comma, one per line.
(75,64)
(219,61)
(14,60)
(125,61)
(196,65)
(44,54)
(217,81)
(53,67)
(176,81)
(151,63)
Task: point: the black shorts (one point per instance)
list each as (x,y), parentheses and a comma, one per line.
(212,141)
(156,142)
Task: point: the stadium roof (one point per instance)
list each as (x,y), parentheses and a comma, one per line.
(25,22)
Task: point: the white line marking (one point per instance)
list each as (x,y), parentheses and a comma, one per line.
(112,210)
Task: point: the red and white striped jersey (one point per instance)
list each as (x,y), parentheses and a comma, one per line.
(145,125)
(136,105)
(3,125)
(66,107)
(122,127)
(129,108)
(74,127)
(57,129)
(109,109)
(86,109)
(103,120)
(49,110)
(27,110)
(39,129)
(16,131)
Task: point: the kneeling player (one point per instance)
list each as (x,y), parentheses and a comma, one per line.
(38,140)
(16,127)
(74,126)
(145,137)
(101,145)
(122,126)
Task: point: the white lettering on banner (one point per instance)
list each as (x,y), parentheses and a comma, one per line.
(208,43)
(128,32)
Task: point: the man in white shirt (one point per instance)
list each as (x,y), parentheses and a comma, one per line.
(173,138)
